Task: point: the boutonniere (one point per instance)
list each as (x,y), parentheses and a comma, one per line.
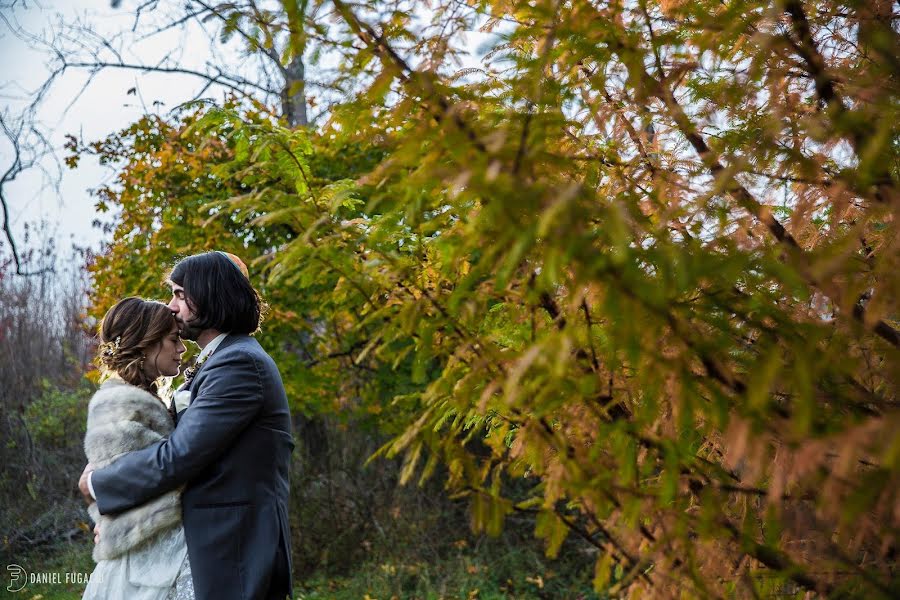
(192,370)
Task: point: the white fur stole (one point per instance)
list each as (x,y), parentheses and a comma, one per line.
(123,418)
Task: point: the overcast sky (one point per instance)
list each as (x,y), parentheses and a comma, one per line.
(103,107)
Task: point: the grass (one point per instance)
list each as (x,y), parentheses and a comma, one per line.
(481,569)
(489,571)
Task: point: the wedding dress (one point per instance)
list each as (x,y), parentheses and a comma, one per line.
(157,570)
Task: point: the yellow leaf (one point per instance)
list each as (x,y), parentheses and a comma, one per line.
(602,570)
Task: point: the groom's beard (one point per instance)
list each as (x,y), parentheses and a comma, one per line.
(188,331)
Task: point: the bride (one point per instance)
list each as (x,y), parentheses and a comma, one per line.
(141,553)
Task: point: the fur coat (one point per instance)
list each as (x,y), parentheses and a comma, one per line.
(122,418)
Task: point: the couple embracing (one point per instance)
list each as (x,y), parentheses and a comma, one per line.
(189,496)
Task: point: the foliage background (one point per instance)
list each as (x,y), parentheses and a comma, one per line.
(632,281)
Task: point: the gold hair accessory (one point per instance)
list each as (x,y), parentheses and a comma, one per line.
(108,349)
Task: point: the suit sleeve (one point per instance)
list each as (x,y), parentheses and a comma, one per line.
(229,398)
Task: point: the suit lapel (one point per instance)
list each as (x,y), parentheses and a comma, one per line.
(229,340)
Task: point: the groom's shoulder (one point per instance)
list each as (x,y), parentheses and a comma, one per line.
(243,345)
(246,350)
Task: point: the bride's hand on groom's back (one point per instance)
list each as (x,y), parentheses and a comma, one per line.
(83,483)
(85,490)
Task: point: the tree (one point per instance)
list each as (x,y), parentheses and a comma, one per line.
(29,146)
(271,43)
(44,349)
(677,367)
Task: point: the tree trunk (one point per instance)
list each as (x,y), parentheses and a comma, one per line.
(313,435)
(293,95)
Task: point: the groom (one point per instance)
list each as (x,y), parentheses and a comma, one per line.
(231,446)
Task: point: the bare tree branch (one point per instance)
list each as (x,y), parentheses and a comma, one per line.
(26,155)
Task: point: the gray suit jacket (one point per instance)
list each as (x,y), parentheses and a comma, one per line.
(232,448)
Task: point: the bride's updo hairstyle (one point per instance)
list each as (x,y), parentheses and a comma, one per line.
(128,331)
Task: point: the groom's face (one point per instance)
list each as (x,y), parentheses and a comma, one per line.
(183,313)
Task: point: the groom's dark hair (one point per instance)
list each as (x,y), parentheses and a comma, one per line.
(218,293)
